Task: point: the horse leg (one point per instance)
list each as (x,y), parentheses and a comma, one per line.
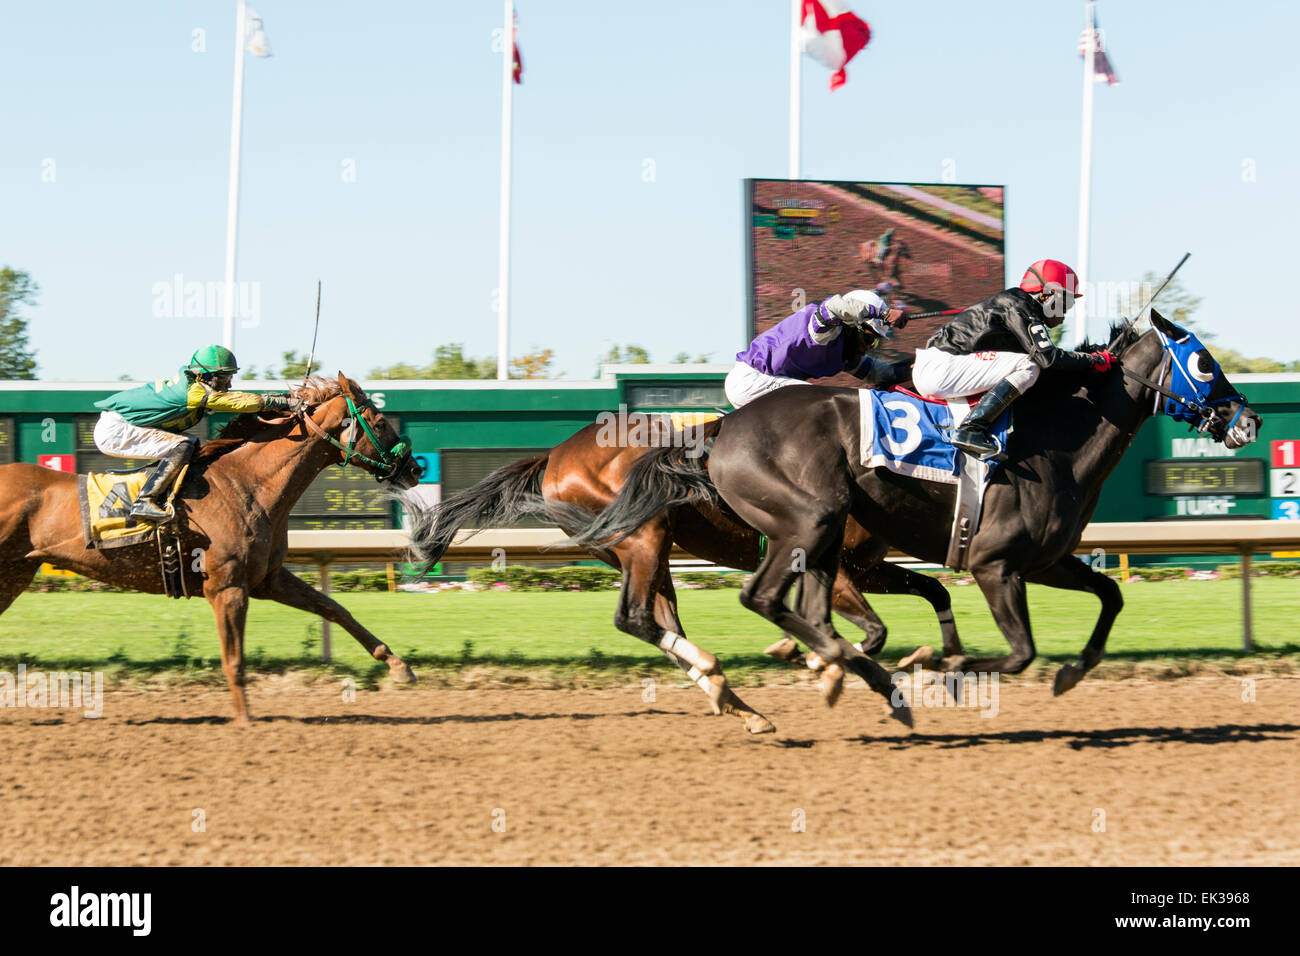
(856,564)
(1004,590)
(830,675)
(19,575)
(729,702)
(766,591)
(886,578)
(1072,574)
(286,588)
(850,604)
(230,605)
(808,606)
(643,557)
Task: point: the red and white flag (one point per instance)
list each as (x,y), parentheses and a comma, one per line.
(1102,70)
(832,35)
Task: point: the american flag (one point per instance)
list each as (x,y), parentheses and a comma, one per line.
(1102,69)
(518,60)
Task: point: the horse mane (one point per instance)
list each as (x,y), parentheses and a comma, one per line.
(1122,337)
(240,429)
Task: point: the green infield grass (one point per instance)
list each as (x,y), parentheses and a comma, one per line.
(448,632)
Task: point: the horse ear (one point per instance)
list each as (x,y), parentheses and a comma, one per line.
(1175,332)
(344,385)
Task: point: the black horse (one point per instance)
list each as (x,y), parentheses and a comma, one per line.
(789,465)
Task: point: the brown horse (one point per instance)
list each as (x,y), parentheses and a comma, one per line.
(232,518)
(583,474)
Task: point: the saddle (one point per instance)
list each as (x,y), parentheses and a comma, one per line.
(106,498)
(911,435)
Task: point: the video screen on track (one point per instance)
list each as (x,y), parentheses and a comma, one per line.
(924,247)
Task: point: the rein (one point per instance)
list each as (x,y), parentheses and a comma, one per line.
(1207,413)
(390,460)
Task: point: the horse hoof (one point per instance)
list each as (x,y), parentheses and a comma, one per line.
(814,662)
(832,684)
(758,724)
(922,655)
(1067,677)
(401,672)
(902,714)
(783,650)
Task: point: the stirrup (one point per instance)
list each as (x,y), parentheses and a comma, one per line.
(982,451)
(146,510)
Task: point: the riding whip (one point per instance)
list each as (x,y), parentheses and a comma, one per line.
(1168,279)
(316,331)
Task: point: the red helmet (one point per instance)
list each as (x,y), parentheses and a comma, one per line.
(1051,274)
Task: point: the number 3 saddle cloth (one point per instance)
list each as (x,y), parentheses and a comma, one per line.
(106,500)
(912,436)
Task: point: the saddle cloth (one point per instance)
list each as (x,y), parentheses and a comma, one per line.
(106,500)
(911,435)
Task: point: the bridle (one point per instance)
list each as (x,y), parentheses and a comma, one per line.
(1197,412)
(390,460)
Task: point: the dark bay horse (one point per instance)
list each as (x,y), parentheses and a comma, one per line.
(233,515)
(583,474)
(789,465)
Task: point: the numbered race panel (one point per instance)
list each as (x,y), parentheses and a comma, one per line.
(1284,484)
(1284,475)
(1285,454)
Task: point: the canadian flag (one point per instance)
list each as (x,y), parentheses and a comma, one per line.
(832,35)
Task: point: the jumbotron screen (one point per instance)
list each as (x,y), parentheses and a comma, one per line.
(924,247)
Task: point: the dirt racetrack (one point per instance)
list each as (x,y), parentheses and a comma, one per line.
(1184,771)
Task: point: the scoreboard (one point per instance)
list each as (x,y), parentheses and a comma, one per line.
(342,498)
(1205,476)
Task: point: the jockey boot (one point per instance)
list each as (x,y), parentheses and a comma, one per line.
(149,503)
(972,436)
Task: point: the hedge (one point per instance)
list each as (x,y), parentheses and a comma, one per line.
(593,578)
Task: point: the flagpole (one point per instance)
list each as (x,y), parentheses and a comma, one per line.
(503,274)
(232,197)
(1085,172)
(796,16)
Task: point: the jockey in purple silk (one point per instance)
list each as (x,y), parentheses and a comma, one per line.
(818,341)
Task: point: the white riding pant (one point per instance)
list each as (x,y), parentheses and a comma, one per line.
(745,383)
(940,374)
(114,435)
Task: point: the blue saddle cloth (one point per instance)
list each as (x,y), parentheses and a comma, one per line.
(911,436)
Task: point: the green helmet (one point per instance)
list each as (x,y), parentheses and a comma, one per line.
(212,358)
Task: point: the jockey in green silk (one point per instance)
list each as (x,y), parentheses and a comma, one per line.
(147,422)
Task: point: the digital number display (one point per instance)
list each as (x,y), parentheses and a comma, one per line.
(344,493)
(676,396)
(316,523)
(1205,476)
(6,441)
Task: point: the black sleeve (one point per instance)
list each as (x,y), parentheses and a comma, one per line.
(1032,334)
(885,374)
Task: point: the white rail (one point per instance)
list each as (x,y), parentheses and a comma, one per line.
(1242,538)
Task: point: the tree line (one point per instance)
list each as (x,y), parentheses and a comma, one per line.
(19,291)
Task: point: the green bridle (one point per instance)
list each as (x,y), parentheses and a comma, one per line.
(390,460)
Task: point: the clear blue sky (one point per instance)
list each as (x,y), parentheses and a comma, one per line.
(138,128)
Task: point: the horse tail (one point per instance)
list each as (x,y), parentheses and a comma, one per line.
(499,500)
(662,479)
